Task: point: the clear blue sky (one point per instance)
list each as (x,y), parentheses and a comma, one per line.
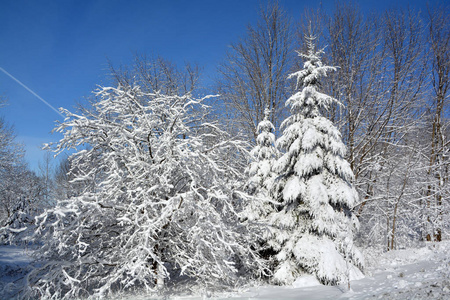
(59,48)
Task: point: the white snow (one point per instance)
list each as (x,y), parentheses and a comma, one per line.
(305,281)
(401,274)
(294,187)
(14,264)
(422,273)
(12,255)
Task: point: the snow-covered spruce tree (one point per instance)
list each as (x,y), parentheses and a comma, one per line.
(261,175)
(161,205)
(257,200)
(313,227)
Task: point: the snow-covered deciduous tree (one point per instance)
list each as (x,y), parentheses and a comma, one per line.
(437,202)
(161,205)
(65,187)
(24,192)
(21,191)
(11,160)
(314,223)
(253,75)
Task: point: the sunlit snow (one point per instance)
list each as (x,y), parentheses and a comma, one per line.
(422,273)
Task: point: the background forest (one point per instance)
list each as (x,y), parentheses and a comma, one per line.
(391,84)
(393,81)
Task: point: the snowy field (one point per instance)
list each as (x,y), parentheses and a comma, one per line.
(402,274)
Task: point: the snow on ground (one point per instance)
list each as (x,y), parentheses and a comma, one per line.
(402,274)
(14,264)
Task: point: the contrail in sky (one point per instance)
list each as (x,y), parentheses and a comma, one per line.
(31,91)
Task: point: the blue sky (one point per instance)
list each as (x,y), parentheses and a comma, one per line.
(59,49)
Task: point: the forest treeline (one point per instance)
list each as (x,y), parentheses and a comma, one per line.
(163,177)
(393,82)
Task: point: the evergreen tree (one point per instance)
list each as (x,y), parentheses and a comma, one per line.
(258,204)
(314,224)
(260,171)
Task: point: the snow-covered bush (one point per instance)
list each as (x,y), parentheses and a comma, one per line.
(314,224)
(162,204)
